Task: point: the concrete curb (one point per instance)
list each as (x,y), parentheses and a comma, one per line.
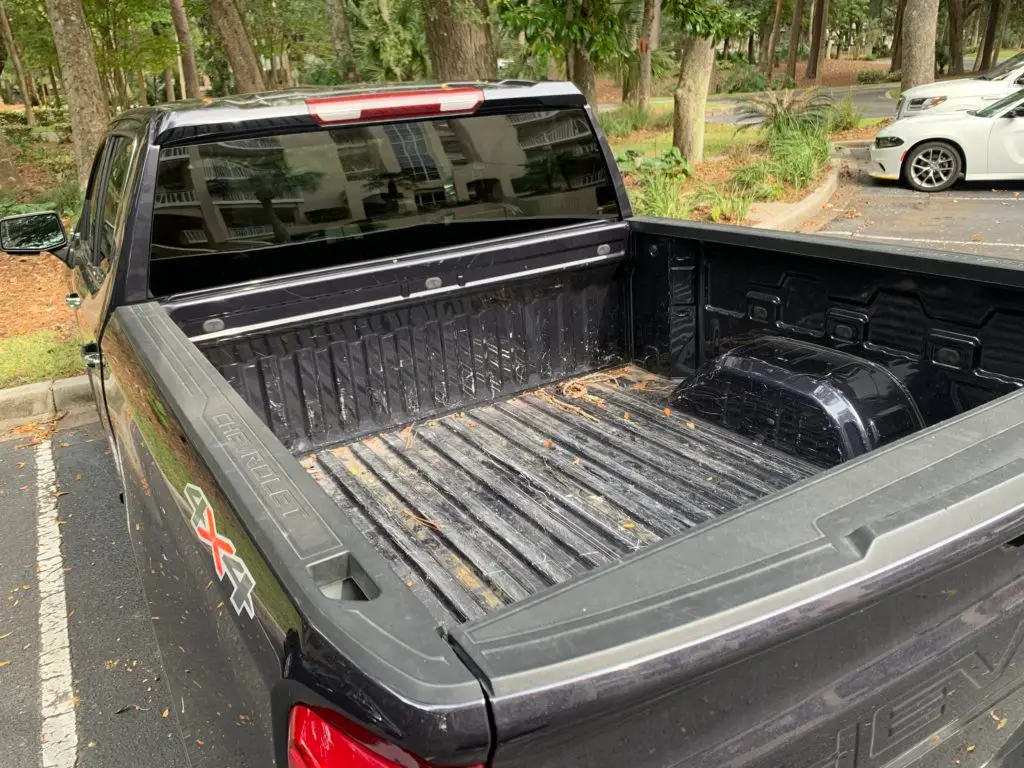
(46,398)
(789,216)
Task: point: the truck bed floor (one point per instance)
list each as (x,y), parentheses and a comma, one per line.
(481,509)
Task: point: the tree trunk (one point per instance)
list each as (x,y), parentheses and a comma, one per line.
(341,37)
(459,39)
(245,65)
(168,85)
(955,28)
(12,50)
(988,43)
(656,27)
(1004,19)
(920,20)
(750,49)
(143,97)
(644,47)
(768,60)
(553,68)
(87,101)
(190,83)
(896,62)
(631,83)
(795,32)
(817,40)
(696,62)
(583,73)
(764,39)
(56,89)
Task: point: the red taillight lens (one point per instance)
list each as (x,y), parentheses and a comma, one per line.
(334,110)
(319,738)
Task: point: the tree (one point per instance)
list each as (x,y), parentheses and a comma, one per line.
(696,62)
(248,73)
(989,41)
(770,40)
(644,48)
(341,36)
(12,49)
(587,33)
(818,25)
(955,27)
(87,101)
(896,60)
(459,37)
(795,33)
(188,52)
(920,22)
(700,23)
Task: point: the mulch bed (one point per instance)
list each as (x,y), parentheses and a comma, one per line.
(33,289)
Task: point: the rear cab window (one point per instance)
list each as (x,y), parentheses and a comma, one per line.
(243,209)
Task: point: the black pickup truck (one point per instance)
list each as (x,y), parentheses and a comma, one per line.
(433,454)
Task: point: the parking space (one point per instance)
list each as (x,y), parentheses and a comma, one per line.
(972,218)
(79,662)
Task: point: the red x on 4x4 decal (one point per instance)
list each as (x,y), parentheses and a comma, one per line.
(219,544)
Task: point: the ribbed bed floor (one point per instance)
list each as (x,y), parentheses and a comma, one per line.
(481,509)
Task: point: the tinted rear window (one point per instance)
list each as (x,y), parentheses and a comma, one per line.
(237,210)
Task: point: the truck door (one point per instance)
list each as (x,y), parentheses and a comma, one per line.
(94,245)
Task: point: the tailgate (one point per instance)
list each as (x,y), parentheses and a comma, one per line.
(870,616)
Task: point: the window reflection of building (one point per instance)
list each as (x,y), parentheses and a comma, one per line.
(532,163)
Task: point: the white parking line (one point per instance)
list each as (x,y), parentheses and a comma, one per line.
(929,241)
(990,199)
(57,700)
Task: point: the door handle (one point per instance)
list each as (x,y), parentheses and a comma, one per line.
(73,300)
(90,355)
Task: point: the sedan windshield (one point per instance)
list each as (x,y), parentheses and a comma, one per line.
(1001,70)
(997,107)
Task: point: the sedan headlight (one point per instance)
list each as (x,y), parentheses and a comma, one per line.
(918,105)
(885,142)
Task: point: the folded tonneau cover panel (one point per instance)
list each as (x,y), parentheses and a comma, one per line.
(480,509)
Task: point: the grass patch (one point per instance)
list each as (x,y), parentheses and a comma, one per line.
(38,356)
(718,139)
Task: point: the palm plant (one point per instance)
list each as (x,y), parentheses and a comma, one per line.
(780,110)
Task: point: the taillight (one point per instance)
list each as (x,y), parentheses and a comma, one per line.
(319,738)
(333,110)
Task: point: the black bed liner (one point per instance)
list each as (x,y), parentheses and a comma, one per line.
(483,508)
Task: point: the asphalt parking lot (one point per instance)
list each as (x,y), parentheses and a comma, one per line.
(971,217)
(79,665)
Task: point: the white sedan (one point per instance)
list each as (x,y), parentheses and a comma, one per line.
(930,152)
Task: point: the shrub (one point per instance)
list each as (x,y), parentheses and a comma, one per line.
(872,76)
(12,119)
(796,155)
(741,77)
(656,190)
(778,110)
(843,116)
(627,119)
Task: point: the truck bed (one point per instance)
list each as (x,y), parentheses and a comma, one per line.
(482,508)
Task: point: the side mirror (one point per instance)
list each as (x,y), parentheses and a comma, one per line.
(34,233)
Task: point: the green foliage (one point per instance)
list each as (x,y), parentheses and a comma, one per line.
(742,77)
(781,110)
(796,155)
(554,26)
(670,163)
(390,49)
(37,357)
(628,119)
(721,207)
(872,76)
(843,116)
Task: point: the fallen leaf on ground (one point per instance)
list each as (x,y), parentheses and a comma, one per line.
(165,713)
(4,663)
(548,443)
(668,411)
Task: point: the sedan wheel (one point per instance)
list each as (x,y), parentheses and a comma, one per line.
(932,167)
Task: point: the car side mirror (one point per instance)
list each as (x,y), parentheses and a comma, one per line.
(34,233)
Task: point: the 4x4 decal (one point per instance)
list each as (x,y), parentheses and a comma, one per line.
(225,561)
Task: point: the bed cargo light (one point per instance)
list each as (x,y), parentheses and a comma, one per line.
(319,738)
(334,110)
